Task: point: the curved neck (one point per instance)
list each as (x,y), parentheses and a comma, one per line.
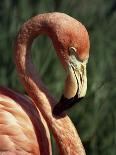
(62,128)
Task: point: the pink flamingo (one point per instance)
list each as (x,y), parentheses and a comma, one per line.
(23,128)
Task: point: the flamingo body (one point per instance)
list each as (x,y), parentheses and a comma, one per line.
(20,126)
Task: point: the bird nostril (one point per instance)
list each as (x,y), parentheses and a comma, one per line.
(81,79)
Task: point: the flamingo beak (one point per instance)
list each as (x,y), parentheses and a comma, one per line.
(75,85)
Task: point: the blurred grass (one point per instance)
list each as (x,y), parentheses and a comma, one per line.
(95,116)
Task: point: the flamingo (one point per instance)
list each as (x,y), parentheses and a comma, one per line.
(23,128)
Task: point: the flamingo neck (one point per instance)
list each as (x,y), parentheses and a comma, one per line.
(62,128)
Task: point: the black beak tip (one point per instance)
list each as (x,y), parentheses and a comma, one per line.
(65,104)
(56,111)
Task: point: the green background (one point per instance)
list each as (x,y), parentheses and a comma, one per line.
(95,116)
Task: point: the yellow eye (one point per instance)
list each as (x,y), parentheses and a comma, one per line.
(73,53)
(72,50)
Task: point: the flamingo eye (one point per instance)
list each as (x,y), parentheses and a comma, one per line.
(74,54)
(72,50)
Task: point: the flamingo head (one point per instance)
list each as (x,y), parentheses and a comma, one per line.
(72,44)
